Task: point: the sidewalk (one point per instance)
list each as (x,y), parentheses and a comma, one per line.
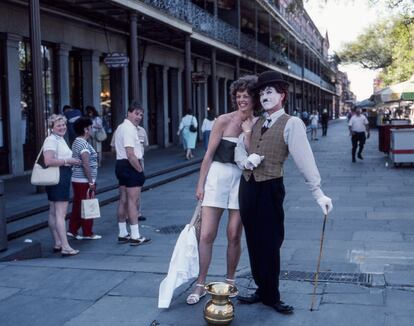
(20,196)
(369,234)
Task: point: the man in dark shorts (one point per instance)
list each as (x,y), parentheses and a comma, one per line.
(130,174)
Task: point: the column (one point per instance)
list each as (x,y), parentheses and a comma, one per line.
(180,93)
(36,56)
(175,108)
(13,94)
(144,95)
(226,96)
(91,84)
(237,70)
(214,97)
(188,99)
(166,118)
(133,65)
(62,51)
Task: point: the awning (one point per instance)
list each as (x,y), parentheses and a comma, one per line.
(399,92)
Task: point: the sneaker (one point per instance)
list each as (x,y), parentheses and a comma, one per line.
(142,218)
(124,239)
(71,235)
(139,241)
(92,237)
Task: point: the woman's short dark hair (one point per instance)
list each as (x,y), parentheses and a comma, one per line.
(80,124)
(211,115)
(91,109)
(245,83)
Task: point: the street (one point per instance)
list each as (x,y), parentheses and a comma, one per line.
(369,236)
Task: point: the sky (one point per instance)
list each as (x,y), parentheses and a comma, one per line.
(344,21)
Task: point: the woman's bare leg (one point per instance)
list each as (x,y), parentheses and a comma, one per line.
(52,225)
(61,208)
(209,227)
(234,232)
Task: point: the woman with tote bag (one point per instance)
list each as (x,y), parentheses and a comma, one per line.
(57,153)
(83,179)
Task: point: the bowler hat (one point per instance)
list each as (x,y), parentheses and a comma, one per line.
(270,77)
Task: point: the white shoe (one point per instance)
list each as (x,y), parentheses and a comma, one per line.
(194,298)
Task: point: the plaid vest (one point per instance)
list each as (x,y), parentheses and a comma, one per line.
(272,146)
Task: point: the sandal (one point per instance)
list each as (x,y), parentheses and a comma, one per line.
(67,253)
(194,298)
(56,249)
(232,281)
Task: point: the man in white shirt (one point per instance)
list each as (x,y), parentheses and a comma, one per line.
(358,125)
(262,192)
(130,174)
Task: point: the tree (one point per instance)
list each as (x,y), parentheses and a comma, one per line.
(386,45)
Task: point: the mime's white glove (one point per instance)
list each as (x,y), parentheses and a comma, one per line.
(325,203)
(253,161)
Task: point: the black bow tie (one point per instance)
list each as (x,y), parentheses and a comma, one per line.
(266,125)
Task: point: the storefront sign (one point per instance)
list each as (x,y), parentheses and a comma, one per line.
(116,60)
(199,77)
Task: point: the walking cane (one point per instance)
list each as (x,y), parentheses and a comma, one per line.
(315,280)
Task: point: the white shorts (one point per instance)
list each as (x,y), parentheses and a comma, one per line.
(222,186)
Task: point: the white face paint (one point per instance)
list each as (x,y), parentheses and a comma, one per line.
(270,98)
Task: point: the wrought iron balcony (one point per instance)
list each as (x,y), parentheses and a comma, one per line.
(205,23)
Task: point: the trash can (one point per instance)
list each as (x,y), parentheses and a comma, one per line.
(3,230)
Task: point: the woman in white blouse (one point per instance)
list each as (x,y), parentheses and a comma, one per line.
(189,136)
(57,153)
(207,126)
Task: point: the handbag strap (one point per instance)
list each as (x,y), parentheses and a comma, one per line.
(196,213)
(90,194)
(38,155)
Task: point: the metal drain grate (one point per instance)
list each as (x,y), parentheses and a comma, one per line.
(356,278)
(172,229)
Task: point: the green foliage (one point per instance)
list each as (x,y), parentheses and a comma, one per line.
(386,45)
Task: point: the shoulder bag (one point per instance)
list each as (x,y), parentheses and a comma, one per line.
(193,128)
(100,135)
(41,176)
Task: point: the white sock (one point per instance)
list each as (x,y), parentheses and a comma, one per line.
(123,232)
(135,231)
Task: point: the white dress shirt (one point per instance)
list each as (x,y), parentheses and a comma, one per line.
(358,123)
(126,135)
(295,138)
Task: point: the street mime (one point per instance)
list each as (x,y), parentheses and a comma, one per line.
(261,193)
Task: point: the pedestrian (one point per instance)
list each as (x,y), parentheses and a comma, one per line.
(324,122)
(358,125)
(262,192)
(188,130)
(305,117)
(97,126)
(207,126)
(83,179)
(314,123)
(218,184)
(71,115)
(143,140)
(130,175)
(56,152)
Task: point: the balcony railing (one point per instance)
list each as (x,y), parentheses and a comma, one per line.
(205,23)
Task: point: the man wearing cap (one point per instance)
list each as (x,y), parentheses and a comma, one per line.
(261,192)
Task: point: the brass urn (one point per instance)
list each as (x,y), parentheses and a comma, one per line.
(219,310)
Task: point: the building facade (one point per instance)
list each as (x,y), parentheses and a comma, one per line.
(182,54)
